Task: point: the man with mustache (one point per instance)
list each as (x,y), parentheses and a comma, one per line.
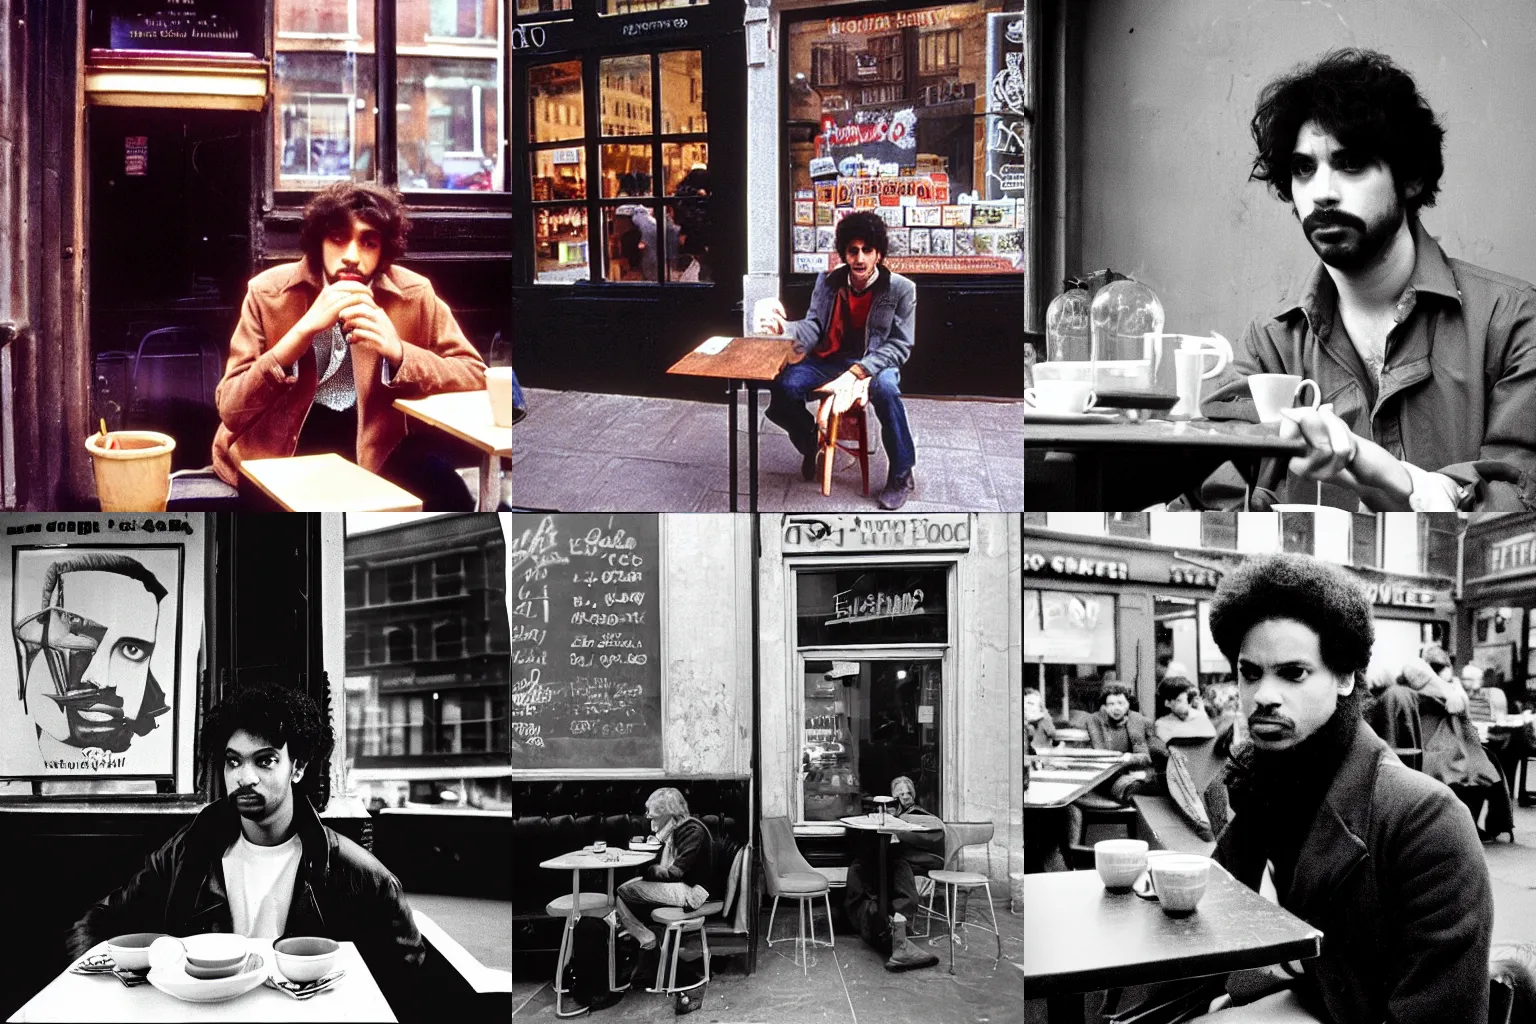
(1384,860)
(326,344)
(1426,365)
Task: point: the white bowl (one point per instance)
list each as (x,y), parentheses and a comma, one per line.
(305,958)
(174,981)
(131,952)
(216,950)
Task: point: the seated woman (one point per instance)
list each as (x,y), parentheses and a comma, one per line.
(678,879)
(1186,717)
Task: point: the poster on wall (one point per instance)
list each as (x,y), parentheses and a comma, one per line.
(105,615)
(1069,628)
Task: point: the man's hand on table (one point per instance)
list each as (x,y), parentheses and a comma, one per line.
(1337,455)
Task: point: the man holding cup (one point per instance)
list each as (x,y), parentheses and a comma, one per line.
(1384,860)
(1426,365)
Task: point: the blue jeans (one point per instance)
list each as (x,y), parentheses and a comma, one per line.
(795,385)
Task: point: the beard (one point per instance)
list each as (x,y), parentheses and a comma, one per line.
(332,276)
(1353,244)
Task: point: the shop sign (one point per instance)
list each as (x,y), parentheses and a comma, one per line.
(869,23)
(184,25)
(1193,577)
(941,531)
(1072,565)
(1513,554)
(1398,596)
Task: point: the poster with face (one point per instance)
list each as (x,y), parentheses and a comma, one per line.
(104,629)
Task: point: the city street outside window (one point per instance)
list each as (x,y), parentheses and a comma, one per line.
(1069,643)
(938,146)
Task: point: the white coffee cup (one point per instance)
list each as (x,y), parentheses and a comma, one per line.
(1119,862)
(1060,397)
(1275,391)
(498,383)
(1207,345)
(1186,381)
(1179,881)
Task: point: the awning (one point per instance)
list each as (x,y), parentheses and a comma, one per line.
(190,80)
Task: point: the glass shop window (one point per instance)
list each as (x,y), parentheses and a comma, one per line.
(1297,531)
(1438,534)
(1069,650)
(323,92)
(448,75)
(1363,540)
(1184,645)
(640,6)
(846,607)
(921,116)
(542,6)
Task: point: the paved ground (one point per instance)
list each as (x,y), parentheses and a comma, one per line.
(483,927)
(580,452)
(845,984)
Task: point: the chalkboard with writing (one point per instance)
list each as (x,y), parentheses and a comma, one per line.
(586,642)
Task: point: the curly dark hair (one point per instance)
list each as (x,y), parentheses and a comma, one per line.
(332,208)
(863,227)
(1169,689)
(278,715)
(1319,595)
(1109,690)
(1368,104)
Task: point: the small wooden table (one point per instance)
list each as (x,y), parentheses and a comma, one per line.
(890,826)
(467,416)
(740,360)
(575,862)
(326,483)
(1079,937)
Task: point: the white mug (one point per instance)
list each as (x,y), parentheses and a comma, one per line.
(1186,380)
(1275,391)
(1214,345)
(1060,397)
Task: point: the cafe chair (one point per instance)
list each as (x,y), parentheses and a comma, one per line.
(853,427)
(680,922)
(958,836)
(590,904)
(1512,983)
(788,875)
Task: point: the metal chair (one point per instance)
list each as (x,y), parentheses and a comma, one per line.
(958,836)
(788,875)
(680,922)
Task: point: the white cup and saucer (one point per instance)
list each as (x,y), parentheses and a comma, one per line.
(1062,401)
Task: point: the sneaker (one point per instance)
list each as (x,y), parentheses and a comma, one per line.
(897,490)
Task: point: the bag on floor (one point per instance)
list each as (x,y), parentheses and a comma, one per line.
(586,974)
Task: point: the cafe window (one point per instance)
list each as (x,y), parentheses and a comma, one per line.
(1129,524)
(429,689)
(447,74)
(1184,645)
(1218,530)
(649,156)
(921,115)
(542,6)
(1439,533)
(1069,643)
(1363,540)
(1296,532)
(844,607)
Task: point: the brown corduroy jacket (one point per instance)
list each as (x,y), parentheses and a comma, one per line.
(262,409)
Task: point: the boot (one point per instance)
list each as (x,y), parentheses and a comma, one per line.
(904,955)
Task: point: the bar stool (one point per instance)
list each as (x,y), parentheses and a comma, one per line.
(958,836)
(788,875)
(592,904)
(682,922)
(853,426)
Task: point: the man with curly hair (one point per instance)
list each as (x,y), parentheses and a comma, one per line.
(326,344)
(1384,860)
(259,862)
(1426,365)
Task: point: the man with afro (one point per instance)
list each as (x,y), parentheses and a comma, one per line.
(1383,859)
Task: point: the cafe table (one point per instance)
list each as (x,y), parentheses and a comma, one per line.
(1115,463)
(749,361)
(101,997)
(590,903)
(1079,937)
(888,825)
(1064,776)
(467,416)
(326,483)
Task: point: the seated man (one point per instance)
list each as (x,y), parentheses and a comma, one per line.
(913,850)
(259,862)
(856,335)
(326,344)
(1354,148)
(1116,727)
(1186,717)
(1484,704)
(1039,729)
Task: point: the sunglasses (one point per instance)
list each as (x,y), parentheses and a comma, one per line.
(868,250)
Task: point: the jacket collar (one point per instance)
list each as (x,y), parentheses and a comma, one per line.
(302,274)
(839,279)
(1336,843)
(218,825)
(1431,273)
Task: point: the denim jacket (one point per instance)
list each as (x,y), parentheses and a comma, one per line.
(1456,393)
(892,319)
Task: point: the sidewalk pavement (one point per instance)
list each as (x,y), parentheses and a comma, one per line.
(844,984)
(580,452)
(482,927)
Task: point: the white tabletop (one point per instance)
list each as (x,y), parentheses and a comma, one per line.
(891,823)
(99,997)
(581,860)
(464,414)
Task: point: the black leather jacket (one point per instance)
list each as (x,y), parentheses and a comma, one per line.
(342,892)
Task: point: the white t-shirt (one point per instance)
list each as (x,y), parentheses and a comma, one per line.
(260,883)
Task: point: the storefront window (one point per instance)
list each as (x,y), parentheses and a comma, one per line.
(1218,530)
(937,146)
(321,108)
(867,722)
(1069,641)
(542,6)
(1363,540)
(638,6)
(428,680)
(1438,534)
(1185,647)
(1296,532)
(844,607)
(1129,524)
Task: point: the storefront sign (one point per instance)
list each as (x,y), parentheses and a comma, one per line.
(851,607)
(1193,577)
(181,25)
(1047,564)
(1398,596)
(936,532)
(1513,554)
(886,22)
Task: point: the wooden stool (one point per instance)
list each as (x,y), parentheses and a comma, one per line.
(681,922)
(591,904)
(853,425)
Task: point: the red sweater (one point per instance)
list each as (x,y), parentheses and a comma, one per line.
(850,315)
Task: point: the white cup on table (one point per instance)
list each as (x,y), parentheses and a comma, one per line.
(1060,397)
(1179,880)
(1120,862)
(498,383)
(1275,391)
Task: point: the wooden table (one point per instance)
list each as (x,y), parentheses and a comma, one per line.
(741,360)
(99,997)
(1080,938)
(326,483)
(467,416)
(889,826)
(575,862)
(1125,465)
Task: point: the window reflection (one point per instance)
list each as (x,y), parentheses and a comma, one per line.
(323,93)
(560,244)
(626,94)
(555,106)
